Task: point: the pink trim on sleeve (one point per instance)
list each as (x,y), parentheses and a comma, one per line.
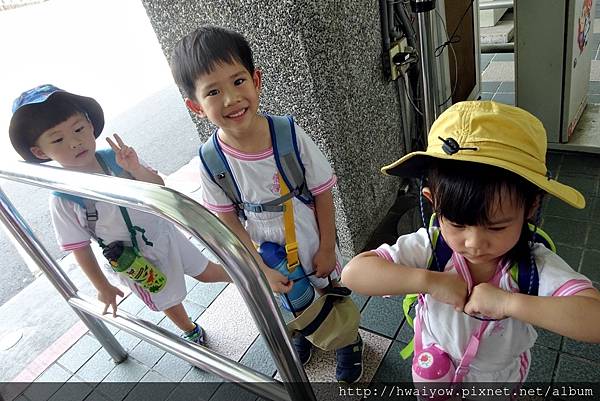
(382,253)
(324,187)
(218,208)
(572,287)
(76,245)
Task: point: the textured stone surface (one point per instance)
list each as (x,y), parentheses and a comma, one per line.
(321,63)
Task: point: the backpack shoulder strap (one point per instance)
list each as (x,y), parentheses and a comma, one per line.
(287,156)
(216,165)
(91,214)
(525,272)
(109,158)
(441,252)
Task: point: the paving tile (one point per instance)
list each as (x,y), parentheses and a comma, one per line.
(548,339)
(506,98)
(382,315)
(589,265)
(485,60)
(571,255)
(563,231)
(557,207)
(97,367)
(258,357)
(190,283)
(147,354)
(172,367)
(588,351)
(132,304)
(593,239)
(150,315)
(72,391)
(79,353)
(193,310)
(205,293)
(127,341)
(499,71)
(507,87)
(153,386)
(504,57)
(359,300)
(196,385)
(393,368)
(586,184)
(97,395)
(576,370)
(490,86)
(553,161)
(122,379)
(577,163)
(47,383)
(594,204)
(228,392)
(594,88)
(406,332)
(230,324)
(543,361)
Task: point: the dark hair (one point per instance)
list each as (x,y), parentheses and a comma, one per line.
(466,193)
(36,118)
(199,52)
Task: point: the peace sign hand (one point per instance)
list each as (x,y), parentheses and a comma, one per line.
(125,155)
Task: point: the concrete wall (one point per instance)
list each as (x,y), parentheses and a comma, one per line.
(321,63)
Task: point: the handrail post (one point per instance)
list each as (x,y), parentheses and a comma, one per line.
(21,234)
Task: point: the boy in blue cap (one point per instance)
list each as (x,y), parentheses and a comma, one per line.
(51,124)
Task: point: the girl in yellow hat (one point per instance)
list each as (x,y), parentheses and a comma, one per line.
(482,275)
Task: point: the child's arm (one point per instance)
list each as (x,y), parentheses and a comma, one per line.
(370,274)
(127,158)
(107,293)
(324,260)
(277,281)
(575,316)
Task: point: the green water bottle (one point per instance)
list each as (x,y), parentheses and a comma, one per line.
(128,261)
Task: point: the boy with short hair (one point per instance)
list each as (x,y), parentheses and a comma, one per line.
(51,124)
(214,68)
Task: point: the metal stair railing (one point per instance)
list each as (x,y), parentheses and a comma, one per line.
(198,222)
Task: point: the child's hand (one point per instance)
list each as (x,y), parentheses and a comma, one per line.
(449,288)
(125,155)
(324,262)
(489,301)
(108,296)
(278,282)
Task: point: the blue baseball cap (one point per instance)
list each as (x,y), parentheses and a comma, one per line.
(21,141)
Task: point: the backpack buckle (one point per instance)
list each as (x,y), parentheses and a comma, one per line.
(91,216)
(253,207)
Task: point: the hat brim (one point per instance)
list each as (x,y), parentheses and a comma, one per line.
(416,163)
(89,105)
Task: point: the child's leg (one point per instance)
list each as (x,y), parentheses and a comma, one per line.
(213,273)
(179,316)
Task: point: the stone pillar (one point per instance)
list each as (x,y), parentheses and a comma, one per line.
(321,62)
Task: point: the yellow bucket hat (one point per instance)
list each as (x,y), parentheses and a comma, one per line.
(489,133)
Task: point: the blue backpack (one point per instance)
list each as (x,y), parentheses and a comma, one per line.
(524,272)
(287,158)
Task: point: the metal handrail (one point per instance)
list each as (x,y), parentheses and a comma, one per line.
(191,217)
